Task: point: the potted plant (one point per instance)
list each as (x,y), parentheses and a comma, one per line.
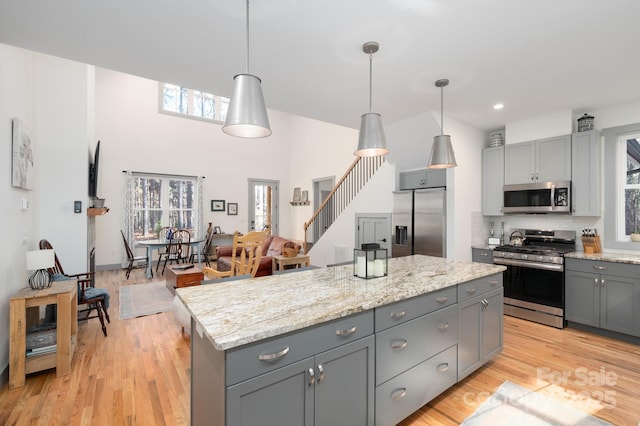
(635,236)
(158,228)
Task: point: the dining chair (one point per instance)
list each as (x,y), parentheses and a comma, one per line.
(177,250)
(204,253)
(134,261)
(245,255)
(94,298)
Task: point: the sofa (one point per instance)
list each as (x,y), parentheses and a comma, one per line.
(273,246)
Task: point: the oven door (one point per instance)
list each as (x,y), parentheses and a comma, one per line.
(539,286)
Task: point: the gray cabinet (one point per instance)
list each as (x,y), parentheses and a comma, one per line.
(334,387)
(603,294)
(422,178)
(481,255)
(540,160)
(480,323)
(585,174)
(492,181)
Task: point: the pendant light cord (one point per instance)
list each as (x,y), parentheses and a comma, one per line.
(247,36)
(370,79)
(442,110)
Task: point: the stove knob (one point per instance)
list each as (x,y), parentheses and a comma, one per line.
(511,255)
(540,258)
(524,257)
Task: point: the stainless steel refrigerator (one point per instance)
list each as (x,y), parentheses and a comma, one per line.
(419,222)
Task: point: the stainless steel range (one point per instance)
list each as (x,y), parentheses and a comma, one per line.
(534,279)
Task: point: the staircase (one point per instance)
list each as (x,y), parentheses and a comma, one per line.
(354,179)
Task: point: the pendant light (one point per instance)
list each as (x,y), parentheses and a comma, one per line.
(372,142)
(247,114)
(442,155)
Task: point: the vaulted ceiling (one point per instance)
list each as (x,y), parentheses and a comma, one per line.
(535,57)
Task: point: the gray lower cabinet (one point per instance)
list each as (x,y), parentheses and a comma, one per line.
(480,330)
(334,387)
(603,294)
(481,255)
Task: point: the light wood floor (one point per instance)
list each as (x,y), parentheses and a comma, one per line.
(139,374)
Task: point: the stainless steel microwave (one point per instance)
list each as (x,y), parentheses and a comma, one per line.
(538,197)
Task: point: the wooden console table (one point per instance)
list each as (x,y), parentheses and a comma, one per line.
(64,295)
(279,261)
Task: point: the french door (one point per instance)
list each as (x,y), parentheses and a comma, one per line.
(263,205)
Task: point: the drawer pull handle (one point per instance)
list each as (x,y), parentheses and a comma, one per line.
(346,332)
(484,254)
(493,283)
(398,394)
(312,377)
(443,325)
(443,367)
(600,268)
(321,373)
(442,299)
(400,314)
(274,356)
(401,344)
(595,282)
(471,290)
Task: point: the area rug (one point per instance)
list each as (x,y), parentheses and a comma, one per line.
(138,300)
(514,405)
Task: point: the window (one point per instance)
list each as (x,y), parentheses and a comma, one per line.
(192,103)
(161,200)
(622,185)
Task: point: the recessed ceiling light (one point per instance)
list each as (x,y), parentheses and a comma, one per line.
(498,106)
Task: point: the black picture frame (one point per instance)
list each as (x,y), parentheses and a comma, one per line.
(217,230)
(217,205)
(232,209)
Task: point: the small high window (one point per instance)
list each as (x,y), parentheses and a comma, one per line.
(191,103)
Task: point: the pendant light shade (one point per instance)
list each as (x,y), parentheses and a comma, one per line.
(442,155)
(372,141)
(247,114)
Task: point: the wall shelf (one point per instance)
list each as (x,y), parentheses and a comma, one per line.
(95,211)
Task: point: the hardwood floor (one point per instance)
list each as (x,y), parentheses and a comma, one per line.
(139,374)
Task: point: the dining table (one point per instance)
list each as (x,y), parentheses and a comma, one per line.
(151,245)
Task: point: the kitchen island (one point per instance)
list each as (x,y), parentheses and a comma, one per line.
(318,346)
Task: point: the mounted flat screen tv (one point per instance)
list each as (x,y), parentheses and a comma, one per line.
(93,172)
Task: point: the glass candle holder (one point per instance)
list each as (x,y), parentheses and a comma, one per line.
(370,263)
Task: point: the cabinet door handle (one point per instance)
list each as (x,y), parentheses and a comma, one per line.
(442,299)
(600,268)
(595,282)
(321,373)
(275,355)
(602,282)
(347,331)
(312,377)
(401,344)
(471,290)
(493,283)
(484,304)
(400,314)
(443,367)
(398,394)
(443,325)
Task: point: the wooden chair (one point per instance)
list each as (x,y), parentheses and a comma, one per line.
(93,298)
(178,249)
(204,253)
(245,256)
(134,261)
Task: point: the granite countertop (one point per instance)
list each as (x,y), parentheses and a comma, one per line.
(236,313)
(606,257)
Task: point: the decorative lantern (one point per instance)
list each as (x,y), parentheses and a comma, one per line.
(370,261)
(585,123)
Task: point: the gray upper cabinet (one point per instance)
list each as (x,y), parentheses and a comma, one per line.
(603,294)
(541,160)
(422,178)
(585,174)
(492,180)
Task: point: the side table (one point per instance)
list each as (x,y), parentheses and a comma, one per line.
(62,293)
(178,277)
(279,261)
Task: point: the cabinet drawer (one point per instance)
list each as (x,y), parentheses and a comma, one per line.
(600,267)
(404,394)
(248,361)
(477,287)
(404,346)
(405,310)
(481,255)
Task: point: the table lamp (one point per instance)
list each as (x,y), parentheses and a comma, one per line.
(38,261)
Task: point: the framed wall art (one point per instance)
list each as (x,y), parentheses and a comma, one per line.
(232,209)
(217,205)
(22,156)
